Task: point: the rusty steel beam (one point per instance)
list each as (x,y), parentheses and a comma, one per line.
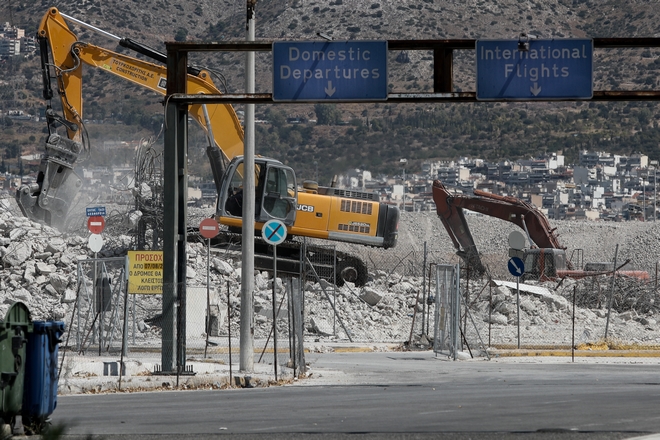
(430,44)
(448,44)
(267,98)
(442,71)
(604,43)
(233,46)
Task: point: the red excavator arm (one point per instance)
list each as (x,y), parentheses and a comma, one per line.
(450,210)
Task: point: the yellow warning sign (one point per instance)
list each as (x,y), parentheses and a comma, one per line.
(145,272)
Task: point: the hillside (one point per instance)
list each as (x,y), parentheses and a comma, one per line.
(378,134)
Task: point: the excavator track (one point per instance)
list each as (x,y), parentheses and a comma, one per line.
(323,259)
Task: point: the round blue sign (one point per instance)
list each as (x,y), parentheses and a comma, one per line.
(274,232)
(516,266)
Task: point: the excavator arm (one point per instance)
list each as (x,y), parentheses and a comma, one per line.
(317,212)
(49,199)
(449,208)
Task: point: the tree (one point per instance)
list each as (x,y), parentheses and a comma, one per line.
(12,149)
(295,138)
(275,117)
(181,35)
(327,114)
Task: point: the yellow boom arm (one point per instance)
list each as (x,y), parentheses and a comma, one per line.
(69,54)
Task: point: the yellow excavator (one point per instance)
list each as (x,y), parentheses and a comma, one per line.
(312,211)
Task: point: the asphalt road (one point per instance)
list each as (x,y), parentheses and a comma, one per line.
(395,395)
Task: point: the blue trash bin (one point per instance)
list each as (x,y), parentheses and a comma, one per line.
(40,389)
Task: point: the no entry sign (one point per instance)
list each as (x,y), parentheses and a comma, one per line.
(95,224)
(208,228)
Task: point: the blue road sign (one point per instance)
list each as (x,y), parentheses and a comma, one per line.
(329,70)
(549,69)
(274,232)
(96,211)
(516,266)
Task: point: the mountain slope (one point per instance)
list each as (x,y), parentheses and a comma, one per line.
(380,134)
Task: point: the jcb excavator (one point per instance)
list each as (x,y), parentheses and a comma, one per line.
(546,260)
(316,212)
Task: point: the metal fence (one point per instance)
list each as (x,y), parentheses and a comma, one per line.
(592,313)
(97,318)
(107,321)
(408,300)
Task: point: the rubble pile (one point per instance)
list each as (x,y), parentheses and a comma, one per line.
(40,269)
(547,313)
(638,242)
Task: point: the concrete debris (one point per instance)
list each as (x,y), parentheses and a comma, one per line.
(40,268)
(320,326)
(371,296)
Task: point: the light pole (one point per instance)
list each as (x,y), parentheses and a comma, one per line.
(654,167)
(403,163)
(247,245)
(644,198)
(316,165)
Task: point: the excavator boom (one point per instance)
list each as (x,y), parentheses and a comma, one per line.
(449,208)
(49,199)
(313,211)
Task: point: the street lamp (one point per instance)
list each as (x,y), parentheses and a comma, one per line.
(654,167)
(644,197)
(403,163)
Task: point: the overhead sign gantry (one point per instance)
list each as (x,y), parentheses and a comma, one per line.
(350,88)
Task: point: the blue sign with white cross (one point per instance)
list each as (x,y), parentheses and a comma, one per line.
(516,267)
(274,232)
(340,71)
(534,69)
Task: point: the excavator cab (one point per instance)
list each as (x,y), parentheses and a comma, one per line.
(275,191)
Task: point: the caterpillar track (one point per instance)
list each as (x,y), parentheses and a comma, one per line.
(323,259)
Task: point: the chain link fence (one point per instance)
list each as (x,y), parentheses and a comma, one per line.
(405,301)
(108,321)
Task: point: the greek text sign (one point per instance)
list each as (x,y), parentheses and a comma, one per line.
(145,272)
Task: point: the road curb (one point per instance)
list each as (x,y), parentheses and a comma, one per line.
(576,353)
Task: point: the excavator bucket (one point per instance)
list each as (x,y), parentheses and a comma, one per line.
(49,199)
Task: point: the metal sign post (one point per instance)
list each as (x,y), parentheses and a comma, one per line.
(95,243)
(518,308)
(209,229)
(517,268)
(274,232)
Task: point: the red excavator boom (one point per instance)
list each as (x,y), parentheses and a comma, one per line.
(450,207)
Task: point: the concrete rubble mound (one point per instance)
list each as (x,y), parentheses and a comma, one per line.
(40,269)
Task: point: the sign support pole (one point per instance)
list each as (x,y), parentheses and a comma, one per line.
(247,244)
(275,310)
(99,299)
(518,305)
(274,232)
(229,332)
(208,294)
(208,228)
